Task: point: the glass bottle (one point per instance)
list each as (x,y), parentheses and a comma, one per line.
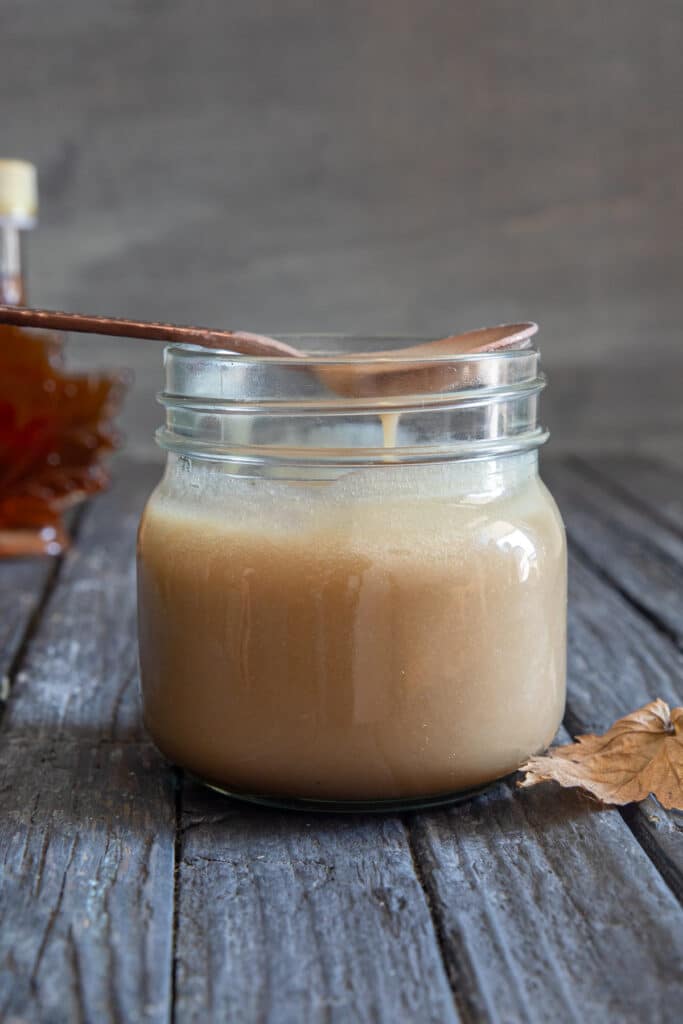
(18,207)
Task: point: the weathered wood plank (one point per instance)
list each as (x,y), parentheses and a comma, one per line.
(22,585)
(600,947)
(285,917)
(638,554)
(334,902)
(660,833)
(657,486)
(86,858)
(86,807)
(80,672)
(507,961)
(618,661)
(550,910)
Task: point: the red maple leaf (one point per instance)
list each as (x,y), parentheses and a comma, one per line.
(55,427)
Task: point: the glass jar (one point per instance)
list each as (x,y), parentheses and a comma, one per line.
(352,581)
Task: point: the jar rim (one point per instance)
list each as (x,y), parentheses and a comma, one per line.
(313,358)
(332,407)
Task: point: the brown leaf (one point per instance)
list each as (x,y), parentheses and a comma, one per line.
(641,754)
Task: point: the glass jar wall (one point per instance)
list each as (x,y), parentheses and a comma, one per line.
(352,583)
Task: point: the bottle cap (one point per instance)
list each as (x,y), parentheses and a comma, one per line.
(18,192)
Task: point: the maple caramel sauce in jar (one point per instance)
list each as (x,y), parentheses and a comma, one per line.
(352,584)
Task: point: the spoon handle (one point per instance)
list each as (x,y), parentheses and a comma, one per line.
(232,341)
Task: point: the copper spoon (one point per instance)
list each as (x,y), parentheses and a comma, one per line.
(234,341)
(374,374)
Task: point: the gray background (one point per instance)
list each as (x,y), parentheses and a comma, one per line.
(377,166)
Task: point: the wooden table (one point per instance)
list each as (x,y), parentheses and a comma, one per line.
(129,894)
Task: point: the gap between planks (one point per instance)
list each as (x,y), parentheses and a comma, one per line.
(30,627)
(95,812)
(451,961)
(638,819)
(624,493)
(580,551)
(178,779)
(641,817)
(658,831)
(640,555)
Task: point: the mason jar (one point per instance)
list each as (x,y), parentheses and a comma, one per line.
(352,581)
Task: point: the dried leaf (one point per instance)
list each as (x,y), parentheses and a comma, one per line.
(641,754)
(54,429)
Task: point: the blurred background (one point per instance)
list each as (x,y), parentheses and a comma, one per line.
(387,166)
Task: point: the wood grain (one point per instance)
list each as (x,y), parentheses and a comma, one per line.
(544,906)
(22,585)
(651,484)
(617,661)
(550,910)
(86,859)
(638,554)
(506,960)
(660,833)
(80,673)
(87,809)
(383,167)
(393,167)
(284,917)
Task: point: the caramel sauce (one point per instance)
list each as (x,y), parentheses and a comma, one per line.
(379,638)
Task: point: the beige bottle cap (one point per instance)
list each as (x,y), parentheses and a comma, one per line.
(18,192)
